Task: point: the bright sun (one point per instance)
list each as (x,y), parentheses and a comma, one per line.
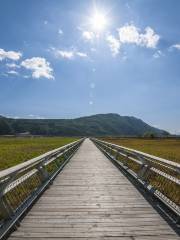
(98,21)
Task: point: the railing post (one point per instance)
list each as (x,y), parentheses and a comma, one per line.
(65,154)
(117,155)
(178,220)
(5,208)
(143,172)
(57,162)
(111,151)
(43,173)
(126,159)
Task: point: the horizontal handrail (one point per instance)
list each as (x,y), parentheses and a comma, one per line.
(21,185)
(159,176)
(32,161)
(146,155)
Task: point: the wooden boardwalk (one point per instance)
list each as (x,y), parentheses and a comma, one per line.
(92,199)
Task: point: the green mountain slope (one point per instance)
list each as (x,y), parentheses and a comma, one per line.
(96,125)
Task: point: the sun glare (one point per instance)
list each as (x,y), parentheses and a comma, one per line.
(98,21)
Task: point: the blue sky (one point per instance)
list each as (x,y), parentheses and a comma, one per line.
(65,59)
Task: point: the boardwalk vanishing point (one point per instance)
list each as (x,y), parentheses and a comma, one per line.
(92,199)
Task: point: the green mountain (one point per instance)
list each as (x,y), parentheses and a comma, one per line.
(96,125)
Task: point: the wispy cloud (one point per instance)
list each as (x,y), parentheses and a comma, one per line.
(63,54)
(158,54)
(13,72)
(90,102)
(81,54)
(12,65)
(177,46)
(114,44)
(40,67)
(87,35)
(33,116)
(68,54)
(60,31)
(9,55)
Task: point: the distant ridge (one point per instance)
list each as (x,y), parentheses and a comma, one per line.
(109,124)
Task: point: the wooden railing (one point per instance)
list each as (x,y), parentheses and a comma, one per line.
(21,185)
(158,176)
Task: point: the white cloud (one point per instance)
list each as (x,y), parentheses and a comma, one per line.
(150,39)
(39,67)
(13,72)
(81,54)
(68,54)
(129,34)
(64,54)
(114,44)
(9,55)
(158,54)
(177,46)
(12,65)
(132,34)
(60,31)
(89,36)
(33,116)
(90,102)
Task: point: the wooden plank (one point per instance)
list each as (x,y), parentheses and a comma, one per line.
(91,199)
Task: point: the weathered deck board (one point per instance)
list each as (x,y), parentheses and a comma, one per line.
(91,199)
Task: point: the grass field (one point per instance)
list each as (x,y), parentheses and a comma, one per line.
(165,148)
(17,150)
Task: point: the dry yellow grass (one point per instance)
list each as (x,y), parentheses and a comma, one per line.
(17,150)
(165,148)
